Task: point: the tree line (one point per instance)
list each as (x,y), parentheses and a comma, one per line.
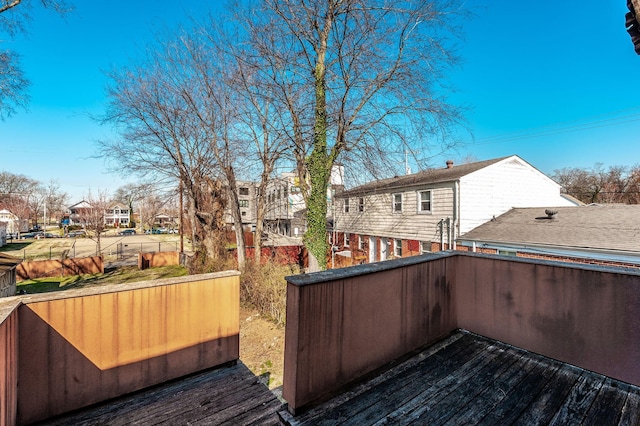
(30,199)
(597,184)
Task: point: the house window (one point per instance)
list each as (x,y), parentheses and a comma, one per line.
(243,213)
(361,204)
(346,205)
(361,242)
(243,191)
(397,247)
(507,253)
(397,203)
(244,203)
(424,202)
(346,239)
(425,246)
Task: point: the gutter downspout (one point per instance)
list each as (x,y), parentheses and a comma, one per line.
(456,212)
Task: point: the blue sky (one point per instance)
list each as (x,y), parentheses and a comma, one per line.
(550,81)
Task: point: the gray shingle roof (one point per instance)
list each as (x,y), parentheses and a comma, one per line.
(421,178)
(604,227)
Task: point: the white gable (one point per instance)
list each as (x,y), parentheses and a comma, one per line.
(509,183)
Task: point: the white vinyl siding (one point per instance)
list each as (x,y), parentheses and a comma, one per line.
(378,220)
(497,188)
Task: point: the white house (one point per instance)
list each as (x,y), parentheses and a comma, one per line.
(13,223)
(429,210)
(117,215)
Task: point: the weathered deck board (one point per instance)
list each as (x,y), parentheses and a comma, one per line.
(473,380)
(463,380)
(231,395)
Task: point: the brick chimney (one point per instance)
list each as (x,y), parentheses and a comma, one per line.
(449,164)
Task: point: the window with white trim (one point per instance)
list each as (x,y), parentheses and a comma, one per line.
(425,246)
(397,203)
(346,205)
(361,242)
(361,204)
(425,201)
(346,239)
(397,248)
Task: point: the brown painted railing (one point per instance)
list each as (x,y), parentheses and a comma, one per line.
(79,347)
(344,324)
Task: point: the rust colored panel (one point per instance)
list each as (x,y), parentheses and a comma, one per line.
(155,260)
(81,350)
(339,330)
(8,369)
(585,316)
(57,268)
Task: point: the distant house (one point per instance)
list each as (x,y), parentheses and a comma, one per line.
(14,223)
(601,234)
(117,215)
(164,220)
(247,195)
(286,210)
(285,206)
(429,210)
(77,212)
(8,265)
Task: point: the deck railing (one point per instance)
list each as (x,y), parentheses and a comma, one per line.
(345,324)
(75,348)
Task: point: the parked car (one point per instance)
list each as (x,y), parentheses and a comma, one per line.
(50,235)
(75,234)
(127,232)
(38,235)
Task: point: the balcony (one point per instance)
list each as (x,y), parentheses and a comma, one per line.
(354,336)
(448,337)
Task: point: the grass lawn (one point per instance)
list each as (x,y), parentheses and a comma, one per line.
(115,276)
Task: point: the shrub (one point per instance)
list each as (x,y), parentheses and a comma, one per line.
(264,288)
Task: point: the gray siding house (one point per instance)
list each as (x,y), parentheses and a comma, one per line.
(429,210)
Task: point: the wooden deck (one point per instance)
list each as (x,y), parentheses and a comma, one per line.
(225,396)
(470,380)
(463,380)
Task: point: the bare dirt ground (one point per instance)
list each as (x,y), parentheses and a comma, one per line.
(262,346)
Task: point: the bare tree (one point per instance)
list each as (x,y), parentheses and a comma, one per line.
(19,195)
(55,200)
(92,218)
(616,184)
(14,16)
(130,193)
(259,119)
(365,72)
(162,140)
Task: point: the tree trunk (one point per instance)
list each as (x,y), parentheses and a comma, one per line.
(241,246)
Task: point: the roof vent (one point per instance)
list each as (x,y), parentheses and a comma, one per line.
(551,214)
(449,164)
